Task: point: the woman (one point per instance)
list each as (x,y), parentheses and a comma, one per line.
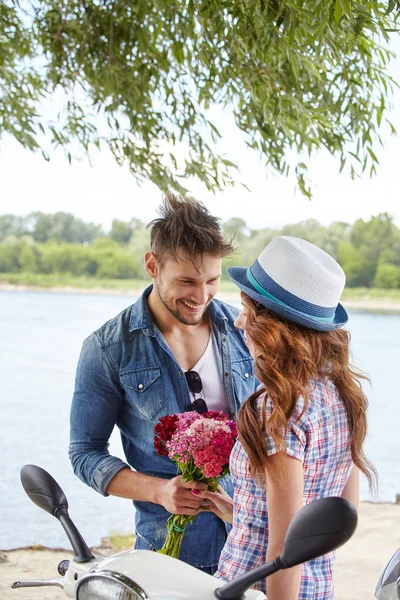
(301,434)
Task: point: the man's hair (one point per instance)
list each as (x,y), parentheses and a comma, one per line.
(186,225)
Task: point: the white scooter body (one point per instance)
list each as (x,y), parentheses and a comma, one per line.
(388,586)
(316,529)
(161,577)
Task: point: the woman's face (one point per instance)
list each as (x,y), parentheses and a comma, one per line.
(240,322)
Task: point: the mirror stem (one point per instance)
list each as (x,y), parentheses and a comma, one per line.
(234,590)
(80,548)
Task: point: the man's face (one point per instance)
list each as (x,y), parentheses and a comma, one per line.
(186,289)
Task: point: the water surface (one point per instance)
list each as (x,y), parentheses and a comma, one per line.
(40,339)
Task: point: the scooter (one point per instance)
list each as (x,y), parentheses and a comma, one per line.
(388,586)
(316,529)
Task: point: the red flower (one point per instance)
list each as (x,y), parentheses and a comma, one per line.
(163,432)
(217,415)
(200,444)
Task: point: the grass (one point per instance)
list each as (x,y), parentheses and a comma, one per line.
(363,293)
(121,541)
(64,280)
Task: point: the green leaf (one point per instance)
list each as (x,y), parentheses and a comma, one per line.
(229,163)
(297,76)
(372,154)
(355,156)
(338,11)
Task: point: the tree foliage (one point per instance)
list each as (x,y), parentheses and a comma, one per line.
(139,77)
(60,226)
(387,276)
(122,232)
(373,239)
(368,251)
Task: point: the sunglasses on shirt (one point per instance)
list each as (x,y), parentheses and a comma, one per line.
(195,386)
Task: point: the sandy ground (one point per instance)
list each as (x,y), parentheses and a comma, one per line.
(358,566)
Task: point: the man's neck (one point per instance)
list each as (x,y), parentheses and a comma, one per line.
(168,324)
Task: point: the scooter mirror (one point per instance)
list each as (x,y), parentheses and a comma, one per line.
(43,490)
(318,528)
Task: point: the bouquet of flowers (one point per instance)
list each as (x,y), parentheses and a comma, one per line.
(200,444)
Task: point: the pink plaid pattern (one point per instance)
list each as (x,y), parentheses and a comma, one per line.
(320,439)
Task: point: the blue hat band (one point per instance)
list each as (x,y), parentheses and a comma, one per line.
(272,290)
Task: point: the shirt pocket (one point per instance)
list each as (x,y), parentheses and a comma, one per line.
(143,391)
(243,378)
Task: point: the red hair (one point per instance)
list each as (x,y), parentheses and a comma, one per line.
(288,357)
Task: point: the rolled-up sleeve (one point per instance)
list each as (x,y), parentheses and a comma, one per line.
(295,435)
(95,408)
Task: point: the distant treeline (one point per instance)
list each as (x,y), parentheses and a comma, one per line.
(369,251)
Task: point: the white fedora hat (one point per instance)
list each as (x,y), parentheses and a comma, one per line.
(298,281)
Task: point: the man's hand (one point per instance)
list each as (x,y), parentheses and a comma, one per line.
(219,502)
(176,496)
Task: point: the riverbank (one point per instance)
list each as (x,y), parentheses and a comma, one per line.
(371,301)
(358,567)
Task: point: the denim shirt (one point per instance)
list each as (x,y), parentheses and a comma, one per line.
(127,376)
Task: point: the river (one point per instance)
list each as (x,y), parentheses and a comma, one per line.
(40,339)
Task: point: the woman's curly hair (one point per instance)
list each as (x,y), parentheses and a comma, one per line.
(288,359)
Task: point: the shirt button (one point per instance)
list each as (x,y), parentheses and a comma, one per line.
(140,386)
(246,375)
(180,373)
(226,374)
(224,339)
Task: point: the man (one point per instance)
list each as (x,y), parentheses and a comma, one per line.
(175,349)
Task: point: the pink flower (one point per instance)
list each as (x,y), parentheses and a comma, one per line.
(200,445)
(204,440)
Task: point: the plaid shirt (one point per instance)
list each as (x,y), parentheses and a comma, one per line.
(320,439)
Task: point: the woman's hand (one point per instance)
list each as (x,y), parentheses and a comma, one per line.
(218,502)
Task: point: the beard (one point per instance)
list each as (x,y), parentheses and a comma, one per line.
(174,310)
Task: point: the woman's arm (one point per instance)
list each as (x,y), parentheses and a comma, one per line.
(352,488)
(284,499)
(219,502)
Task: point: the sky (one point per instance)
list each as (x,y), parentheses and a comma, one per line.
(104,191)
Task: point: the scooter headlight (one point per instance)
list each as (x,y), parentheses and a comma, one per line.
(108,585)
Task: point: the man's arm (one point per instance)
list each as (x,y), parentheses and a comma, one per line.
(173,494)
(95,408)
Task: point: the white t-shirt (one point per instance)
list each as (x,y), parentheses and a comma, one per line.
(213,391)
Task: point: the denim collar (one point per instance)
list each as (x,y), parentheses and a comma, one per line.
(141,316)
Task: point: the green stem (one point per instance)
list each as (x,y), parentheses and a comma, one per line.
(176,525)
